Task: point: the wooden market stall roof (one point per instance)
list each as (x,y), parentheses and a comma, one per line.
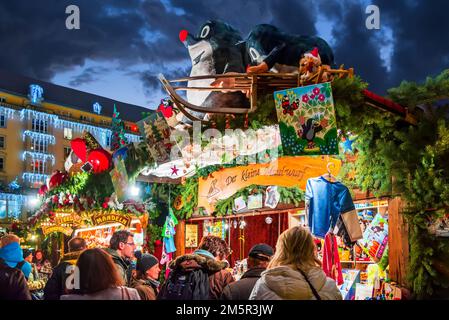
(380,102)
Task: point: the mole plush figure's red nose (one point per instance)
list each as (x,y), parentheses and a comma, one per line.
(183,35)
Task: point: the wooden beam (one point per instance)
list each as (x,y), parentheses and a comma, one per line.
(155,179)
(180,238)
(398,243)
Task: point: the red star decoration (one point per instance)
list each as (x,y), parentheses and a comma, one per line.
(174,170)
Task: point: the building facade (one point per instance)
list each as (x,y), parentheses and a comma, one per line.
(36,130)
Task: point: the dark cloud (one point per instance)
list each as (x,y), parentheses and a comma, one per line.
(87,75)
(358,47)
(137,32)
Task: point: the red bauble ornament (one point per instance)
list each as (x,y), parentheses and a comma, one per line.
(100,160)
(79,147)
(56,179)
(43,190)
(157,242)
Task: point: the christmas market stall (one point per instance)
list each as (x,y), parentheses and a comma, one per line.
(270,150)
(91,199)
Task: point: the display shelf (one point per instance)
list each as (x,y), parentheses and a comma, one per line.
(371,207)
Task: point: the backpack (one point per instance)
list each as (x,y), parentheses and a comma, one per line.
(186,285)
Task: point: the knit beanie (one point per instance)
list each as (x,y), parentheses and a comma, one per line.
(145,262)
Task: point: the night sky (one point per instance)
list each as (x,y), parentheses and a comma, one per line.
(122,45)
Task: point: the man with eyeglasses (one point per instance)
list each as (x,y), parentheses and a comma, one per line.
(121,249)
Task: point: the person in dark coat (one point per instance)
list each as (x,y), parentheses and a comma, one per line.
(146,278)
(121,248)
(56,285)
(13,285)
(210,258)
(258,258)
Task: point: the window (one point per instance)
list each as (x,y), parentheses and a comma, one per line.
(84,118)
(40,126)
(108,141)
(38,166)
(2,142)
(2,121)
(2,163)
(67,152)
(39,145)
(68,133)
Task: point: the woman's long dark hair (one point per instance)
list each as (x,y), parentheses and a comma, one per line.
(97,271)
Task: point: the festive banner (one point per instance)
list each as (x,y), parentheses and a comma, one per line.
(191,235)
(56,228)
(285,172)
(105,218)
(307,120)
(70,218)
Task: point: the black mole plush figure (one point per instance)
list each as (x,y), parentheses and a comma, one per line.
(214,50)
(309,130)
(269,49)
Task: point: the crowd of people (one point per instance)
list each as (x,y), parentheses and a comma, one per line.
(119,272)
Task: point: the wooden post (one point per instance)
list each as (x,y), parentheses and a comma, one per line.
(398,243)
(180,238)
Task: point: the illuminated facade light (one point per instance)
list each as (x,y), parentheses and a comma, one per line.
(33,114)
(34,177)
(36,94)
(45,137)
(39,156)
(7,112)
(97,107)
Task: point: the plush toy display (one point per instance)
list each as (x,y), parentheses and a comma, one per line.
(214,50)
(270,49)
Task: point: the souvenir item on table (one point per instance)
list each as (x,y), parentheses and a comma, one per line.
(306,119)
(350,279)
(375,238)
(272,197)
(239,204)
(363,291)
(255,201)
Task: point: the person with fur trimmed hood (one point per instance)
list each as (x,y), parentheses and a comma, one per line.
(56,285)
(201,275)
(295,272)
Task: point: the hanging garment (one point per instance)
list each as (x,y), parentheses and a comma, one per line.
(331,260)
(326,201)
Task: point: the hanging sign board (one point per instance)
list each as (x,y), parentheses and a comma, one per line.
(307,120)
(56,228)
(191,235)
(105,218)
(285,172)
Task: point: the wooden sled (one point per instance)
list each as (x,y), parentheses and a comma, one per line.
(254,84)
